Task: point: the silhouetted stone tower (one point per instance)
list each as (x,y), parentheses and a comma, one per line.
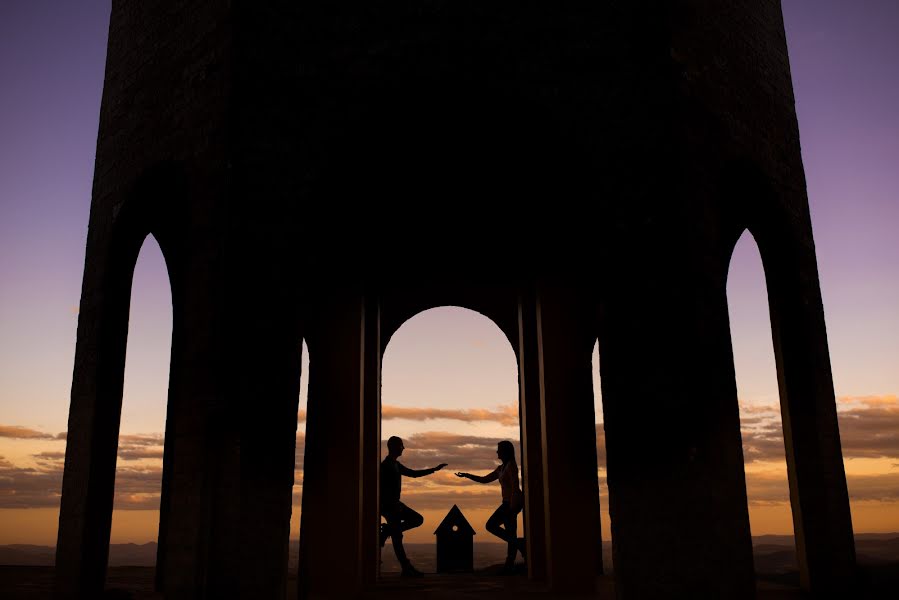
(573,170)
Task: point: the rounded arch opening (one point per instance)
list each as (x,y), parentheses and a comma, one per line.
(450,391)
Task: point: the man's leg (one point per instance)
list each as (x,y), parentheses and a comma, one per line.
(395,532)
(410,519)
(400,519)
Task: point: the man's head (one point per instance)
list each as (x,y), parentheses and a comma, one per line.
(395,446)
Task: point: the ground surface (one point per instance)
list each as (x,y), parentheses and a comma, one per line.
(32,577)
(136,583)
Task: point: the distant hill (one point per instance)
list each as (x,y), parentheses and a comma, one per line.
(27,555)
(120,555)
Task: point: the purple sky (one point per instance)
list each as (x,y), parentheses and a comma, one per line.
(844,59)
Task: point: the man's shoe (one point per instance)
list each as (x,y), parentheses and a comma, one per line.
(410,571)
(522,547)
(384,534)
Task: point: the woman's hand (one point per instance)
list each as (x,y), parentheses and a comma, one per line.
(465,475)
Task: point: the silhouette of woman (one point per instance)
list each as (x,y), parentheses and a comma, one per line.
(513,501)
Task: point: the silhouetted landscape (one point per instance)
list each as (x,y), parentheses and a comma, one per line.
(26,571)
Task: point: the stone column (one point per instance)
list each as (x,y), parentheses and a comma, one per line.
(85,516)
(530,400)
(185,520)
(570,485)
(680,523)
(371,443)
(818,494)
(267,391)
(330,529)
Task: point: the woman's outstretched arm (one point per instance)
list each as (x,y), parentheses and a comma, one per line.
(492,476)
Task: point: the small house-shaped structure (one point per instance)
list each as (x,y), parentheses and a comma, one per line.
(455,543)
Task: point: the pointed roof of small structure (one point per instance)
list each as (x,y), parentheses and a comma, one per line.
(454,518)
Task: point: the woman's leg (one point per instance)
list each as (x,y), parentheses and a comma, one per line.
(510,522)
(499,518)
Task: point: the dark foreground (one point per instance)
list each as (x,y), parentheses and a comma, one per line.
(136,583)
(774,557)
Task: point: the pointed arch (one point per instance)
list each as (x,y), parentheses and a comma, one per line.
(139,465)
(767,485)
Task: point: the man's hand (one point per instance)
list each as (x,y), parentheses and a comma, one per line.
(440,466)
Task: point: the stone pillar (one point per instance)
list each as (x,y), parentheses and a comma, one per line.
(371,443)
(266,388)
(85,516)
(818,494)
(570,485)
(331,521)
(192,438)
(529,406)
(680,523)
(188,458)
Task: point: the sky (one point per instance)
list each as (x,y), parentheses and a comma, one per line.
(844,63)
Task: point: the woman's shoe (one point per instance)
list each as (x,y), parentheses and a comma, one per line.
(509,567)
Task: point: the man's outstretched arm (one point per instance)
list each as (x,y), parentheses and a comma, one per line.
(404,470)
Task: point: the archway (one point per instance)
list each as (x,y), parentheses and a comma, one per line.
(767,487)
(451,403)
(601,470)
(297,497)
(138,477)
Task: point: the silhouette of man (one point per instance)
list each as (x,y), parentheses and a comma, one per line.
(399,516)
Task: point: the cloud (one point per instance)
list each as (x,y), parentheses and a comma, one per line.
(40,487)
(461,452)
(49,456)
(504,415)
(771,488)
(421,499)
(137,486)
(874,488)
(870,431)
(751,409)
(768,485)
(17,432)
(141,446)
(869,428)
(140,453)
(883,400)
(28,487)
